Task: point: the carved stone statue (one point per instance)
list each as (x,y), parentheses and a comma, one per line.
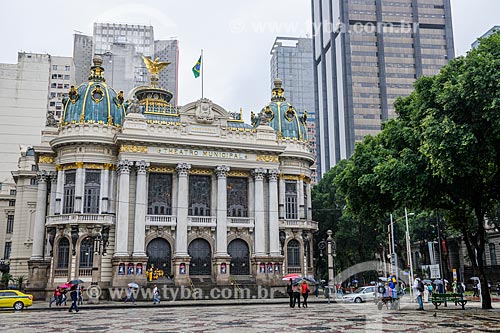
(134,107)
(51,121)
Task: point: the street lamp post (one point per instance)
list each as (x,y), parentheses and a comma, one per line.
(329,241)
(394,257)
(408,251)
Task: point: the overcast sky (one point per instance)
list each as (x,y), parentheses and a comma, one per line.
(236,36)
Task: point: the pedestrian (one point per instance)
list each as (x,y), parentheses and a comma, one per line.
(55,297)
(130,296)
(418,289)
(289,291)
(64,298)
(316,290)
(74,299)
(296,295)
(305,293)
(430,289)
(79,290)
(474,288)
(156,297)
(426,294)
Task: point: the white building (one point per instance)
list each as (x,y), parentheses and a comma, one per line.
(193,191)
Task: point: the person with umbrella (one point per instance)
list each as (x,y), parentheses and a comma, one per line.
(289,291)
(130,294)
(305,293)
(74,299)
(296,294)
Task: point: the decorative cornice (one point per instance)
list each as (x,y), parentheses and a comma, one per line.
(238,173)
(268,158)
(94,166)
(59,167)
(157,169)
(133,149)
(289,177)
(46,159)
(79,165)
(108,166)
(200,172)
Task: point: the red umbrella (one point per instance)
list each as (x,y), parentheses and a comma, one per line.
(291,276)
(65,285)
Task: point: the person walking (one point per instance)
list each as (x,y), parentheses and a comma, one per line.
(418,289)
(426,294)
(55,297)
(289,291)
(296,295)
(74,299)
(316,290)
(130,296)
(79,290)
(305,293)
(156,298)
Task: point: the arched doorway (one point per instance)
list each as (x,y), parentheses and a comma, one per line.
(201,257)
(240,257)
(159,255)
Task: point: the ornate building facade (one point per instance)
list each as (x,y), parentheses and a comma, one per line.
(124,186)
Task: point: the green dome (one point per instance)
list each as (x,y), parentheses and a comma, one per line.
(94,101)
(283,117)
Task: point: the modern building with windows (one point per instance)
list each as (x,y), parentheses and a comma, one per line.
(31,98)
(367,53)
(292,62)
(485,35)
(122,46)
(193,192)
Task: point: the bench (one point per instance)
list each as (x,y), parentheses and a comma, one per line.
(438,299)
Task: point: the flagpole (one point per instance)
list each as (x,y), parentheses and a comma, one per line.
(202,70)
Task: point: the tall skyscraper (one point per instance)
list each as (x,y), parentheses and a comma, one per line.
(366,54)
(292,61)
(122,47)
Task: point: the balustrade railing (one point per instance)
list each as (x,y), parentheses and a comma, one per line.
(80,218)
(161,220)
(202,221)
(85,271)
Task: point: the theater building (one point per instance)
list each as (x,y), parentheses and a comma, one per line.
(193,191)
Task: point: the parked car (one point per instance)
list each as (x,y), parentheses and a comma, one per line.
(15,299)
(362,294)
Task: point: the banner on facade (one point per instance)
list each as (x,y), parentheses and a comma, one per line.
(431,271)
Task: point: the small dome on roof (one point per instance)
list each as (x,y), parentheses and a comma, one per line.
(94,101)
(283,117)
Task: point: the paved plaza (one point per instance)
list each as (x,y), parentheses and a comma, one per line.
(266,317)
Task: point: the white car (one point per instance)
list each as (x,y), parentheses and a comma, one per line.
(362,294)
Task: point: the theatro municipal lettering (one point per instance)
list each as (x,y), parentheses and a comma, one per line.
(202,153)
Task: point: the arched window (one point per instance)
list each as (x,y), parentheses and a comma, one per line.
(63,253)
(87,253)
(293,256)
(493,254)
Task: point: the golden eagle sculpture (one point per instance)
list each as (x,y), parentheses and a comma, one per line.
(154,66)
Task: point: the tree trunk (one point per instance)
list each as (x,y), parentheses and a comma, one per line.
(481,233)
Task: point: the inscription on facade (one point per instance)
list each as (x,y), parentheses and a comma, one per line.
(202,153)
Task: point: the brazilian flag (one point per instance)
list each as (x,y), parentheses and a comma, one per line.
(197,68)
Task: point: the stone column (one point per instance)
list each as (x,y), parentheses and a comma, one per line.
(309,202)
(113,191)
(41,208)
(175,188)
(282,198)
(121,234)
(59,190)
(182,209)
(300,192)
(53,192)
(260,237)
(274,227)
(221,240)
(105,188)
(181,258)
(79,187)
(140,209)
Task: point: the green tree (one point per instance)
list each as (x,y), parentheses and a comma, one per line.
(445,147)
(6,278)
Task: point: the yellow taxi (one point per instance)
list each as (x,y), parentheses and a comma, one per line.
(15,299)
